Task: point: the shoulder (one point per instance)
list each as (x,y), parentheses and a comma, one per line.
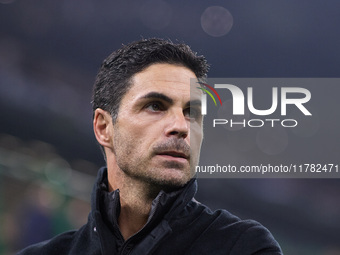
(255,238)
(80,241)
(238,236)
(57,245)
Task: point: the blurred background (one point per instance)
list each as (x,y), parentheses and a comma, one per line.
(50,52)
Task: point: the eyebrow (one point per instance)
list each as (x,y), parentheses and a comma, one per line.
(158,96)
(169,100)
(193,103)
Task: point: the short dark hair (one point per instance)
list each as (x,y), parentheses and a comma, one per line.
(114,77)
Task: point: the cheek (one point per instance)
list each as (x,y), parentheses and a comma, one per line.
(195,144)
(196,134)
(141,138)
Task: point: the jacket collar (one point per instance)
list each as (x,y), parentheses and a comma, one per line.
(164,205)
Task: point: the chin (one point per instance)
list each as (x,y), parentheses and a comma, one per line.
(172,181)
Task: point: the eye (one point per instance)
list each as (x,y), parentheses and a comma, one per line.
(155,106)
(192,113)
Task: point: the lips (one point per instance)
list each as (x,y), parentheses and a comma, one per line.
(172,150)
(174,155)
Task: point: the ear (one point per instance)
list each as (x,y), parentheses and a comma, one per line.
(103,127)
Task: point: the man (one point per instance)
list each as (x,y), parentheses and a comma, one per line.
(150,129)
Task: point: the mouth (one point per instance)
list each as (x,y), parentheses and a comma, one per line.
(174,155)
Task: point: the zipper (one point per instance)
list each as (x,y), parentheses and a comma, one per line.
(126,244)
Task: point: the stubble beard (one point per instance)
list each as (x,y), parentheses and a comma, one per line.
(138,167)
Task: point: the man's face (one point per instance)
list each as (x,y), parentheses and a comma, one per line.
(157,119)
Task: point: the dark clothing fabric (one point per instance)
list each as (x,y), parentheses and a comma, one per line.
(177,224)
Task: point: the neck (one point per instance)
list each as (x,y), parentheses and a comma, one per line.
(135,198)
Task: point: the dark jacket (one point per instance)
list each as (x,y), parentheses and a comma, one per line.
(177,224)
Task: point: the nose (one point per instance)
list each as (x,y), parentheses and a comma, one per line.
(177,125)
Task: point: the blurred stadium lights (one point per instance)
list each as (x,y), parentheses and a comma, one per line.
(216,21)
(6,1)
(54,170)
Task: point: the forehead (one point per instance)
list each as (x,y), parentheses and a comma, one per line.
(172,80)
